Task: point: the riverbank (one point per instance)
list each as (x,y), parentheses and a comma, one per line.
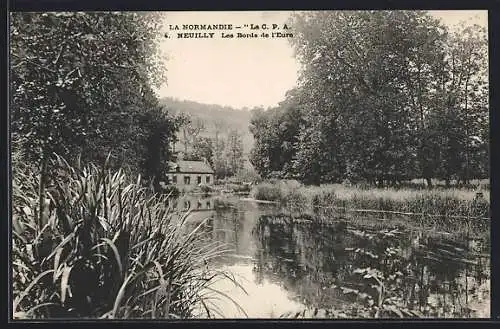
(438,206)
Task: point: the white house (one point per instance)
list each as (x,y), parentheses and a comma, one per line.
(189,174)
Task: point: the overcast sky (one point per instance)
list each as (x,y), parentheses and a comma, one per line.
(243,72)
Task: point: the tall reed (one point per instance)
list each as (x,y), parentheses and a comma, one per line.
(104,246)
(329,201)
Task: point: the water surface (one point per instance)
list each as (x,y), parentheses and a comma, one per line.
(307,269)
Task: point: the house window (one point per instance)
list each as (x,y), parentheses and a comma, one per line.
(208,179)
(187,180)
(199,179)
(174,179)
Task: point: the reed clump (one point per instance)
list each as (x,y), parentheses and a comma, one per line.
(103,246)
(267,192)
(330,200)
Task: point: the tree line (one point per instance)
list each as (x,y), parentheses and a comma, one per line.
(383,97)
(81,86)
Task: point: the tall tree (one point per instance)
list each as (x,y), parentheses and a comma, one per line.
(218,158)
(356,64)
(468,92)
(80,82)
(276,132)
(191,130)
(383,96)
(203,149)
(159,133)
(234,153)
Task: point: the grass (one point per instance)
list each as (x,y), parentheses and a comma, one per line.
(267,192)
(103,246)
(447,205)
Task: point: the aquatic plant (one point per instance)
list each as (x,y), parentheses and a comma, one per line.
(426,208)
(266,192)
(97,245)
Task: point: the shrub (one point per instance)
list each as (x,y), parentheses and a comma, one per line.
(105,247)
(242,188)
(171,191)
(205,188)
(266,192)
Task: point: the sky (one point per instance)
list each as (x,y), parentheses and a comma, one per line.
(242,72)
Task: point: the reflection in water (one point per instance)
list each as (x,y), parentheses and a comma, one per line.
(265,299)
(342,270)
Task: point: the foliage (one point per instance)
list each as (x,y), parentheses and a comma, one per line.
(160,130)
(275,134)
(102,246)
(170,190)
(203,149)
(248,175)
(234,153)
(81,84)
(384,97)
(266,192)
(191,132)
(205,188)
(218,157)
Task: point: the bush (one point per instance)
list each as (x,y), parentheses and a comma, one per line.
(240,188)
(205,188)
(171,191)
(266,192)
(105,247)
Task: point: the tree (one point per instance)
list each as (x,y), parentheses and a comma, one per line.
(356,69)
(458,109)
(219,160)
(202,149)
(383,96)
(81,81)
(234,153)
(467,91)
(275,132)
(160,131)
(261,153)
(218,157)
(191,130)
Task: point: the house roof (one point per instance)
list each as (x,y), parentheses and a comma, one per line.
(199,167)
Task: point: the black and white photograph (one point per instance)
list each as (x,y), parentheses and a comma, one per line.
(326,164)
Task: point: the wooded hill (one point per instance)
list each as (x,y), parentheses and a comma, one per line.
(212,119)
(219,134)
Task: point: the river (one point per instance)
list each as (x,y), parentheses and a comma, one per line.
(307,269)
